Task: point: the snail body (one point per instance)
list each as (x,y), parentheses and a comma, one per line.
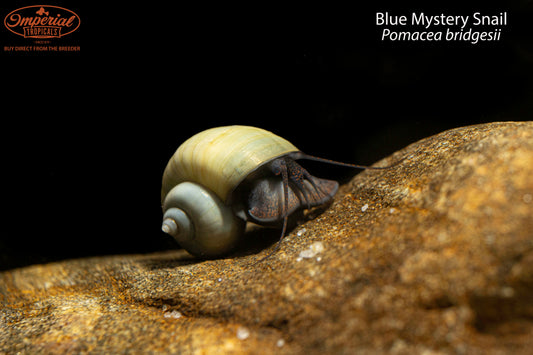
(223,177)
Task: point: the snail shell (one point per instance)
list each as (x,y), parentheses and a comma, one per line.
(222,157)
(200,177)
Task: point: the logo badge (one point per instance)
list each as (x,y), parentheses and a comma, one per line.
(42,21)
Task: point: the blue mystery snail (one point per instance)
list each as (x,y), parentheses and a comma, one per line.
(223,177)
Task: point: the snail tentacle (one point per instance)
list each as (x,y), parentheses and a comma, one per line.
(320,190)
(302,155)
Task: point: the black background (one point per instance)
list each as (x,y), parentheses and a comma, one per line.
(86,136)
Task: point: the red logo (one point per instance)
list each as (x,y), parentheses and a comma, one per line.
(42,21)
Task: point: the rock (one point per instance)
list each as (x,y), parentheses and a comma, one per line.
(433,255)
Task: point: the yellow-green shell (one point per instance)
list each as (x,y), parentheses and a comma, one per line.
(220,158)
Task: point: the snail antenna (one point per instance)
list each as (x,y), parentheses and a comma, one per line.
(301,155)
(278,244)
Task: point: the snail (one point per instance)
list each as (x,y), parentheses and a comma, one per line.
(223,177)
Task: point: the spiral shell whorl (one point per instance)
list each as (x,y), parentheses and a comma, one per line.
(177,224)
(200,221)
(220,158)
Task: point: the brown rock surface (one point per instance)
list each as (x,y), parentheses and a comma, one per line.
(435,254)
